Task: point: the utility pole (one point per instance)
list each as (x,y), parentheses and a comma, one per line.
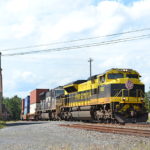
(1,89)
(90,61)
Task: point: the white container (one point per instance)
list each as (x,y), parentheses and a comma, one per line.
(34,108)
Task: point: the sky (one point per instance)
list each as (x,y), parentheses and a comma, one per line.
(26,23)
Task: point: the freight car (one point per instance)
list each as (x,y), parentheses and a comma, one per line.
(35,103)
(31,104)
(117,95)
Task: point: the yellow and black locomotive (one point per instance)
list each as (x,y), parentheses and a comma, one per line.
(114,96)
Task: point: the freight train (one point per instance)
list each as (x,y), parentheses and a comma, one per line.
(116,95)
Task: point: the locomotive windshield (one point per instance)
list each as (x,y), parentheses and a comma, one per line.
(115,75)
(132,76)
(59,92)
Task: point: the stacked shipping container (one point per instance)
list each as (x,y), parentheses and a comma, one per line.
(27,105)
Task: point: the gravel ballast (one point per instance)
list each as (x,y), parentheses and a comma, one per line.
(48,135)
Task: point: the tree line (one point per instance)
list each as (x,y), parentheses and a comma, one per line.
(13,107)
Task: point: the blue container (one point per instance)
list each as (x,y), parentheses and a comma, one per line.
(25,111)
(27,105)
(27,101)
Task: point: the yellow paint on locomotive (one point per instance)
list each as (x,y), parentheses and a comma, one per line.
(84,90)
(132,100)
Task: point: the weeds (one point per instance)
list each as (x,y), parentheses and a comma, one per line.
(2,124)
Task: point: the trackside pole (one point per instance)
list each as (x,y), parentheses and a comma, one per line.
(1,89)
(90,61)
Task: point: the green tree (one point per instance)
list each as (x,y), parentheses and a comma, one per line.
(13,105)
(147,100)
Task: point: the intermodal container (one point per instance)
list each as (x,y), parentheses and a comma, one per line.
(27,105)
(26,110)
(27,101)
(34,95)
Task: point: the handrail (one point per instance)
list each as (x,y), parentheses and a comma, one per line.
(118,93)
(139,93)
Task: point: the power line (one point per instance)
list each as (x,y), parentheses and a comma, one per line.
(82,46)
(82,39)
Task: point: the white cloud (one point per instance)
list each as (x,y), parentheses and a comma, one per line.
(25,28)
(16,6)
(140,9)
(26,22)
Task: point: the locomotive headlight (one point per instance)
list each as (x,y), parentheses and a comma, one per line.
(124,99)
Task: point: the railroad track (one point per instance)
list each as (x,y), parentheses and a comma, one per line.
(115,130)
(144,125)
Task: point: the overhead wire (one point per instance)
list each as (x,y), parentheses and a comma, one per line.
(108,42)
(76,40)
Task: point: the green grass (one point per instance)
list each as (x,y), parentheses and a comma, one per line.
(2,124)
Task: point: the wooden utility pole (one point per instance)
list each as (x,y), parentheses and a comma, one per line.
(1,89)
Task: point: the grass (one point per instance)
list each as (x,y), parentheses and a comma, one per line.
(2,124)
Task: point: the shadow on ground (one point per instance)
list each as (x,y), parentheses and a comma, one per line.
(20,123)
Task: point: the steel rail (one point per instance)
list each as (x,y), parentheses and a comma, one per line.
(115,130)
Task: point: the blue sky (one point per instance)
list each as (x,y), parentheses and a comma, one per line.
(126,2)
(26,22)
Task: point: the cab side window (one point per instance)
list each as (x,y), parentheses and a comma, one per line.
(102,79)
(132,76)
(115,75)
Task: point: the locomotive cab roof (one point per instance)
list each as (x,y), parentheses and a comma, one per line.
(117,70)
